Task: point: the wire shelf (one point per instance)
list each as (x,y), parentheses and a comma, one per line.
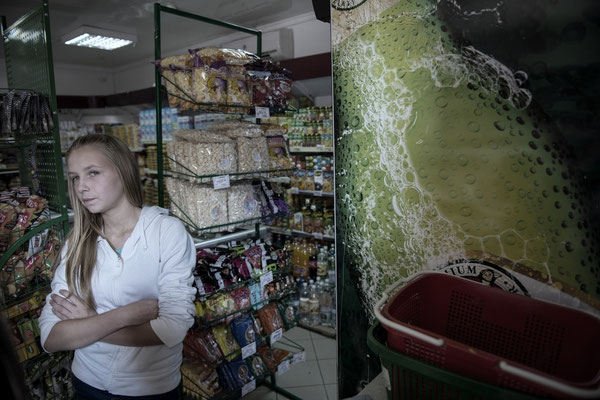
(195,230)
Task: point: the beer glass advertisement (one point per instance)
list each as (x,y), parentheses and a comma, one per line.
(467,142)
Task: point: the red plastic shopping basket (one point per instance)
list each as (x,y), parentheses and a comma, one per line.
(494,336)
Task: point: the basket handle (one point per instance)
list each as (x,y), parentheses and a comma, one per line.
(391,324)
(549,383)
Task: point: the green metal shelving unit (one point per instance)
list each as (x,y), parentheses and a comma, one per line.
(158,10)
(29,67)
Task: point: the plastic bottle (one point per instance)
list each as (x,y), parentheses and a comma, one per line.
(313,301)
(304,304)
(322,263)
(304,261)
(325,303)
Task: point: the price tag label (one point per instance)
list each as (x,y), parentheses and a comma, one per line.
(262,112)
(283,367)
(299,357)
(275,336)
(248,387)
(318,236)
(200,286)
(267,278)
(221,182)
(295,190)
(248,350)
(318,193)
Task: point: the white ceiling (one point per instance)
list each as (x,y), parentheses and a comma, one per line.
(137,16)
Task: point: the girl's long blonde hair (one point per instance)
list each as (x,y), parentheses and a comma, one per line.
(87,227)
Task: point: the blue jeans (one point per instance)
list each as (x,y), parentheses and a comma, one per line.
(83,391)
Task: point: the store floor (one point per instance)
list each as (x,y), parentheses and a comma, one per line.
(315,378)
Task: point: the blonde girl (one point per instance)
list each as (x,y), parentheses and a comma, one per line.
(121,294)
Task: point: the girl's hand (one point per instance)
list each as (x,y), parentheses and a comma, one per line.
(70,306)
(141,311)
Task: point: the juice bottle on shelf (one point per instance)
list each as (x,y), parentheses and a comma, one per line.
(304,304)
(296,266)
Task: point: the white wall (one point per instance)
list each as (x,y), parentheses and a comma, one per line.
(75,80)
(80,80)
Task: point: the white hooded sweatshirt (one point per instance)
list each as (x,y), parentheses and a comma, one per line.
(156,262)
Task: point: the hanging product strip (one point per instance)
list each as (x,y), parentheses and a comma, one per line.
(23,113)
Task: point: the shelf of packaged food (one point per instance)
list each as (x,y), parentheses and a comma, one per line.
(266,339)
(232,176)
(318,149)
(54,219)
(195,230)
(294,232)
(219,320)
(294,357)
(257,278)
(8,171)
(315,193)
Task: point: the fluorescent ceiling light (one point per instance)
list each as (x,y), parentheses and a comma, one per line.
(97,38)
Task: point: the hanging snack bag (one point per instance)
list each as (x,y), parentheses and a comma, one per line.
(242,203)
(288,313)
(257,366)
(209,79)
(8,219)
(271,357)
(203,342)
(259,88)
(177,72)
(238,93)
(230,56)
(278,153)
(243,330)
(270,318)
(256,295)
(199,378)
(240,371)
(241,296)
(253,154)
(226,341)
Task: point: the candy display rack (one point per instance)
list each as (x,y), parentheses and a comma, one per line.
(30,131)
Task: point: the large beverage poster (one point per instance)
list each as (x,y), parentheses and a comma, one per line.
(467,135)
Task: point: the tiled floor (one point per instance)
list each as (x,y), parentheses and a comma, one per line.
(313,379)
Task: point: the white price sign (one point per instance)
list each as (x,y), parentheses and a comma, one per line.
(262,112)
(248,350)
(275,336)
(267,278)
(221,182)
(318,236)
(299,357)
(295,190)
(318,193)
(248,387)
(283,367)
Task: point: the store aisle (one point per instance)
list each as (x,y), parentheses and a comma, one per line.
(315,378)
